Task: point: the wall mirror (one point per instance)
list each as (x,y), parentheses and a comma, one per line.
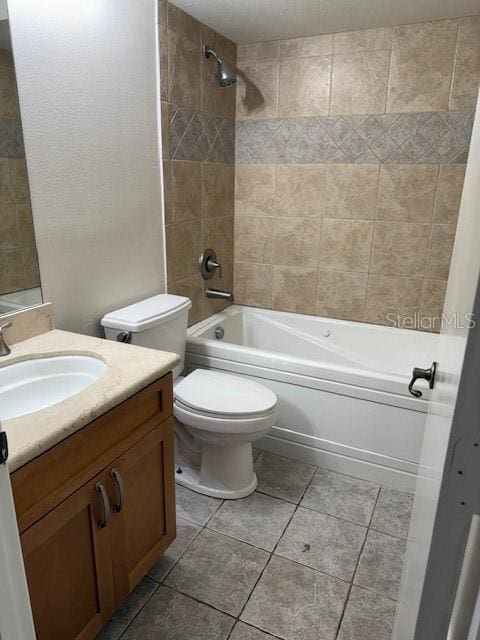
(19,272)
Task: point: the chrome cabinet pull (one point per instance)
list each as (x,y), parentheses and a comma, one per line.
(102,523)
(117,478)
(422,374)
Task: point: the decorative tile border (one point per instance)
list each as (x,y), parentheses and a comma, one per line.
(401,138)
(11,138)
(201,137)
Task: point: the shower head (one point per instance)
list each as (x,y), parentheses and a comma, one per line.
(225,76)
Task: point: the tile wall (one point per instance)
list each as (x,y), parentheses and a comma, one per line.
(350,159)
(18,255)
(198,132)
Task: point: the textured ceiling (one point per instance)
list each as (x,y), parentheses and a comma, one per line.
(255,20)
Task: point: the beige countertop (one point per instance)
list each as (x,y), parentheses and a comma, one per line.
(129,369)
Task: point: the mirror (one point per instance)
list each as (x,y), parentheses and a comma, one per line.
(19,272)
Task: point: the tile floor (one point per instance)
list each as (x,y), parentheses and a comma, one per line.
(311,555)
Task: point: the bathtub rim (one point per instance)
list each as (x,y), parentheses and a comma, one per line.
(363,383)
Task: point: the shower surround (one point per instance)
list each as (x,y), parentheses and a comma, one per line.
(350,158)
(198,139)
(349,154)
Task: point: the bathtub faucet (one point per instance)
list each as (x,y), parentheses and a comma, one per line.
(220,295)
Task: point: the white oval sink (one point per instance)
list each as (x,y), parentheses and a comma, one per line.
(34,384)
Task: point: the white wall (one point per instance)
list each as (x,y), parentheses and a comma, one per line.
(86,75)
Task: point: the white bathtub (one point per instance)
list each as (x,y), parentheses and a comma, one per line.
(342,386)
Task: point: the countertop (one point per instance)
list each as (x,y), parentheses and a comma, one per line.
(129,369)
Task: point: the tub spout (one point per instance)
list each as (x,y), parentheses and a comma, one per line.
(220,295)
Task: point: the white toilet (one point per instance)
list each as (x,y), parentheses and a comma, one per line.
(218,415)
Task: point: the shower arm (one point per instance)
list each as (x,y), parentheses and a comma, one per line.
(211,53)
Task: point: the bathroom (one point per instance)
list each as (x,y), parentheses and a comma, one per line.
(270,213)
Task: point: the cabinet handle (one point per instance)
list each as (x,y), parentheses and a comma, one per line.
(117,478)
(102,523)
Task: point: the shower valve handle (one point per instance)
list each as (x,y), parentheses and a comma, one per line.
(422,374)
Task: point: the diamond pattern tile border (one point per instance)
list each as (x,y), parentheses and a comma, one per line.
(201,137)
(401,138)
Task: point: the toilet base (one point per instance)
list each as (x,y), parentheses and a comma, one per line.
(221,472)
(190,478)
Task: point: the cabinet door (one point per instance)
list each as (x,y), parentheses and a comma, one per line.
(144,524)
(69,570)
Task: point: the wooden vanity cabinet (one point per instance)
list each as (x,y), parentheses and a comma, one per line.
(88,542)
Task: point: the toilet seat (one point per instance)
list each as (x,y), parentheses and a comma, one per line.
(242,425)
(211,394)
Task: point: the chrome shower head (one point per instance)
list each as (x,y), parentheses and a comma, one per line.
(225,76)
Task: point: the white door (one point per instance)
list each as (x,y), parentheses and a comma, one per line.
(448,488)
(15,614)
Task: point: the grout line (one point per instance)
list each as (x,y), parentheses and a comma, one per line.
(356,566)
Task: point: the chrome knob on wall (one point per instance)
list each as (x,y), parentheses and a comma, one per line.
(208,264)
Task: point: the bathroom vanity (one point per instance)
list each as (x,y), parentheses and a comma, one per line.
(93,484)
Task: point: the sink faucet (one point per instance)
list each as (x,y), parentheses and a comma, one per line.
(4,348)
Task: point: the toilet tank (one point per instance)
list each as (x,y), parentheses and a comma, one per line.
(159,322)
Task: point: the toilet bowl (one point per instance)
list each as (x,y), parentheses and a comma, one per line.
(217,415)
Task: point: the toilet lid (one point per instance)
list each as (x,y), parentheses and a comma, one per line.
(224,394)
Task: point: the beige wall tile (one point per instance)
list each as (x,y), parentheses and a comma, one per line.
(345,245)
(10,235)
(18,172)
(184,71)
(364,40)
(183,249)
(341,294)
(163,61)
(351,191)
(294,289)
(257,90)
(258,51)
(216,99)
(449,193)
(406,193)
(304,86)
(443,237)
(165,120)
(25,225)
(162,13)
(9,107)
(400,248)
(253,284)
(182,190)
(191,287)
(217,234)
(307,47)
(359,82)
(253,239)
(431,308)
(392,296)
(218,188)
(296,242)
(300,190)
(254,189)
(183,23)
(466,76)
(421,66)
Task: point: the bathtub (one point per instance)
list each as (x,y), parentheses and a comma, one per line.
(343,401)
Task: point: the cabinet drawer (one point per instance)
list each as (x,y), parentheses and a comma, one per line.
(44,482)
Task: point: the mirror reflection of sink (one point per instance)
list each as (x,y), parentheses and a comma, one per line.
(38,383)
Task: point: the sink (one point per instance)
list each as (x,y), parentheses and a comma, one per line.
(34,384)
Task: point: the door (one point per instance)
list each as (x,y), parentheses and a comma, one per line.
(446,497)
(15,612)
(68,565)
(142,487)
